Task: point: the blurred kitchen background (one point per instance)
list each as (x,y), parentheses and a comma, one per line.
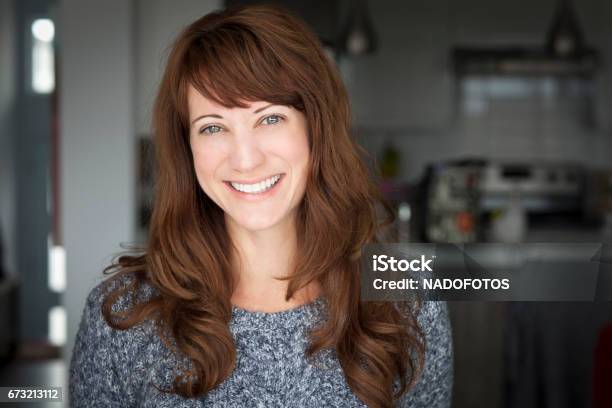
(485,121)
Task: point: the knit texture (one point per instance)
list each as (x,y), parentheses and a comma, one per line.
(119,368)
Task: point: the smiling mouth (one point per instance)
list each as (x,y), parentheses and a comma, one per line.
(257,188)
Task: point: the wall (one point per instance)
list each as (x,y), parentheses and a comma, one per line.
(157,22)
(97,142)
(405,94)
(406,83)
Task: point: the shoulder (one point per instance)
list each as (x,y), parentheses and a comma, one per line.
(93,316)
(434,320)
(127,295)
(130,290)
(95,332)
(434,386)
(104,359)
(432,317)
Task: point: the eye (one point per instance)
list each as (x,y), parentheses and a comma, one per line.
(210,129)
(272,119)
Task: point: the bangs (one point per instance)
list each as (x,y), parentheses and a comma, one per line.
(232,66)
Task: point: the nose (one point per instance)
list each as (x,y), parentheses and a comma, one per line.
(246,153)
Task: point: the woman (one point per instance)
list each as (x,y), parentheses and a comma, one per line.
(248,291)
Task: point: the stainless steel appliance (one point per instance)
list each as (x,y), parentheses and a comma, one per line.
(544,187)
(464,196)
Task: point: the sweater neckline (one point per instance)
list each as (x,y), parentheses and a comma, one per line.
(246,319)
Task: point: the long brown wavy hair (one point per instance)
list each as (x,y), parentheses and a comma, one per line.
(251,54)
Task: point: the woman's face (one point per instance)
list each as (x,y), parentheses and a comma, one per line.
(251,161)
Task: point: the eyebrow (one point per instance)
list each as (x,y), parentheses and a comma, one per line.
(214,115)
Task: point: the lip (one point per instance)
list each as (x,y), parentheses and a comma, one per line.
(256,197)
(254,181)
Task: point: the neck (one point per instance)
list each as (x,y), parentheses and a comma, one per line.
(262,257)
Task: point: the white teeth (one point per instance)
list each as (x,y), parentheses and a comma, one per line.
(258,187)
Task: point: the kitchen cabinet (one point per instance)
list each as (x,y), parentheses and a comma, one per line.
(524,23)
(408,83)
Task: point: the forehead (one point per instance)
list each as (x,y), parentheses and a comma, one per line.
(200,104)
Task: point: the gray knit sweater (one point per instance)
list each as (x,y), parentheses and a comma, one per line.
(114,368)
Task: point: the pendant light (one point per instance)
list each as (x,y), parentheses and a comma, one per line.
(565,37)
(358,36)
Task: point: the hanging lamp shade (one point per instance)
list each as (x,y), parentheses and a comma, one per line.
(358,36)
(565,38)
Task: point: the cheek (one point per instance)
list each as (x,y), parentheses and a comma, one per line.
(206,161)
(294,150)
(301,155)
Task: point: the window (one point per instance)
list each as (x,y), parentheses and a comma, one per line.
(43,56)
